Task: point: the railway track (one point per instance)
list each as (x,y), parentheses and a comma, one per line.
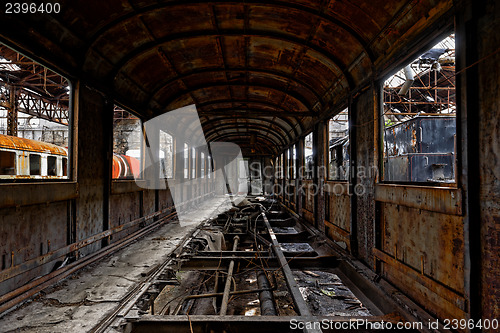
(253,267)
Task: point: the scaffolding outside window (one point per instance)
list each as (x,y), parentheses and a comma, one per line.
(419,119)
(34,115)
(127,145)
(338,146)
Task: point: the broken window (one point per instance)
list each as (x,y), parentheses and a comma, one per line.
(193,163)
(419,118)
(202,164)
(186,161)
(34,115)
(35,164)
(166,155)
(209,166)
(51,166)
(64,166)
(308,156)
(338,146)
(127,144)
(7,163)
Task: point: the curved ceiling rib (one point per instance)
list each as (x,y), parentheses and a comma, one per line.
(299,98)
(236,138)
(285,132)
(285,116)
(276,4)
(149,46)
(205,71)
(292,128)
(244,102)
(250,127)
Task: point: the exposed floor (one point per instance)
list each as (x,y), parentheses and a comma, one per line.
(78,303)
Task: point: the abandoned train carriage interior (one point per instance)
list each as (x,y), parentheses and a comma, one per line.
(242,166)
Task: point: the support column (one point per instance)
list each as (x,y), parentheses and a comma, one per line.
(319,174)
(478,128)
(12,112)
(299,199)
(92,148)
(285,178)
(179,168)
(108,165)
(362,126)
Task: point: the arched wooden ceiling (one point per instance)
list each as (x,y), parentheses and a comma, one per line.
(252,67)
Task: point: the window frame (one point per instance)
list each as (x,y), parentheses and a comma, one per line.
(69,174)
(381,122)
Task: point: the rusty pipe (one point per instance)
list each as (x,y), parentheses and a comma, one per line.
(410,77)
(210,295)
(267,307)
(227,287)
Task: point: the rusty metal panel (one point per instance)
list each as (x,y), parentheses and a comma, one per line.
(124,208)
(435,199)
(127,186)
(309,189)
(14,195)
(456,299)
(428,242)
(429,300)
(165,197)
(29,232)
(149,202)
(339,205)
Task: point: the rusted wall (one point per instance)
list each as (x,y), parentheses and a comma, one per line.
(338,217)
(432,245)
(489,155)
(148,202)
(165,198)
(124,208)
(477,25)
(308,208)
(289,193)
(27,233)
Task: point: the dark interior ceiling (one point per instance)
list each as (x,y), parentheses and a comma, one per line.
(260,72)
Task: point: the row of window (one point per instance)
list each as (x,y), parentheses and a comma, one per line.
(23,165)
(128,143)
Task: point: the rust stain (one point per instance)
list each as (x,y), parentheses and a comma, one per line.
(16,143)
